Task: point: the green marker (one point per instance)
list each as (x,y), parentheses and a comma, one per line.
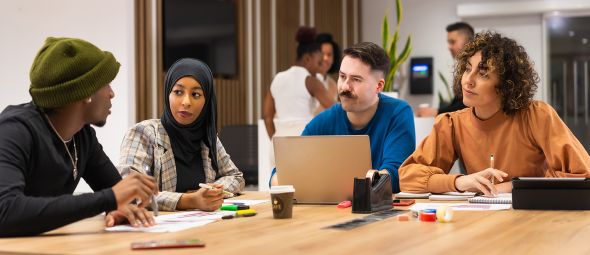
(229,208)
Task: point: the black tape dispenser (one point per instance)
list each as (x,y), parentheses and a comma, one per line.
(372,193)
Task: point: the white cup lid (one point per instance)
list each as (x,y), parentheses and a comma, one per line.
(281,189)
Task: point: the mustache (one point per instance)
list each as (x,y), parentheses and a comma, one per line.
(347,94)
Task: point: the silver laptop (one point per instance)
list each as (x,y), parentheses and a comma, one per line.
(321,168)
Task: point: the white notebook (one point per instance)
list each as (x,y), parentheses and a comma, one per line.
(452,196)
(504,198)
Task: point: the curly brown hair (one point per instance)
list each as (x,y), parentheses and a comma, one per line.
(517,77)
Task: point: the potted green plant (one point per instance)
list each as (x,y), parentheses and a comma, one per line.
(441,99)
(390,46)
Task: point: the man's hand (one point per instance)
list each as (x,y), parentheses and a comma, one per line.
(135,186)
(131,214)
(203,199)
(480,181)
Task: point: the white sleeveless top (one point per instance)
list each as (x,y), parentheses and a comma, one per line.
(292,99)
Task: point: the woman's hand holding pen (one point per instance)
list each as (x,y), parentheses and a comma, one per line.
(203,199)
(480,181)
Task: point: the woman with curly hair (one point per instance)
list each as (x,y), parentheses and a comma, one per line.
(502,134)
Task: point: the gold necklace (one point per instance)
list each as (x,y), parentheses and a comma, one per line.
(73,159)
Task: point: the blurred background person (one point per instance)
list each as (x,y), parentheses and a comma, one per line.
(330,65)
(458,34)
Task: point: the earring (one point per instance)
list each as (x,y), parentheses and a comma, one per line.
(89,100)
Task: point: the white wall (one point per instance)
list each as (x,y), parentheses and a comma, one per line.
(426,20)
(109,24)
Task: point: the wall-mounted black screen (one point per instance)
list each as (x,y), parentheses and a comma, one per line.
(421,75)
(202,29)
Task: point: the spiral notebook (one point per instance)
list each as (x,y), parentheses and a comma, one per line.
(505,198)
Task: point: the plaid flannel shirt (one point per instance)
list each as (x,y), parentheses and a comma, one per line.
(146,148)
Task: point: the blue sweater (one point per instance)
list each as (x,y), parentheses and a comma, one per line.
(391,132)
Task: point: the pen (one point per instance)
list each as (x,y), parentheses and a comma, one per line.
(492,166)
(154,203)
(206,186)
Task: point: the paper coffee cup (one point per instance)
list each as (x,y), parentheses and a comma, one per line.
(282,201)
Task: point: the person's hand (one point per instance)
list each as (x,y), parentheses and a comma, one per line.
(203,199)
(480,181)
(135,186)
(505,187)
(131,214)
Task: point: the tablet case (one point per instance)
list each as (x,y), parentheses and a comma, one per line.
(551,193)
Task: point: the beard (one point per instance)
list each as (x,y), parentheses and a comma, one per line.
(100,123)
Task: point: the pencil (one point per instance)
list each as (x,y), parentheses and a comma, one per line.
(153,203)
(492,166)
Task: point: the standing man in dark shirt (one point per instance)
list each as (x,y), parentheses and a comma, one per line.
(47,145)
(458,34)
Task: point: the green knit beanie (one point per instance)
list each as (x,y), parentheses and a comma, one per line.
(67,70)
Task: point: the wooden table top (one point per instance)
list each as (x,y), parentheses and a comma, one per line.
(487,232)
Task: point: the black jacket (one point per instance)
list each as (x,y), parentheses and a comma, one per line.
(36,181)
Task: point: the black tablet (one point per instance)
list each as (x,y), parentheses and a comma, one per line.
(537,193)
(550,183)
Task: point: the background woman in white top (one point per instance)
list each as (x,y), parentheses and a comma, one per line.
(290,103)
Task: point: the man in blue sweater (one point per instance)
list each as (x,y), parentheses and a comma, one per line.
(363,110)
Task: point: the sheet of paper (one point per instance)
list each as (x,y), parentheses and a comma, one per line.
(463,194)
(245,202)
(411,195)
(452,196)
(462,206)
(174,222)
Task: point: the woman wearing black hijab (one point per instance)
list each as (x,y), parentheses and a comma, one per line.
(181,149)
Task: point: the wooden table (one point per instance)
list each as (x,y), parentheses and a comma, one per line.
(490,232)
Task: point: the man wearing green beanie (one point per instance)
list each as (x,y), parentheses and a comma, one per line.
(47,145)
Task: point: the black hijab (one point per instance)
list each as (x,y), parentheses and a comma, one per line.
(186,139)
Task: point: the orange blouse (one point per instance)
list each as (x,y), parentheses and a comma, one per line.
(532,142)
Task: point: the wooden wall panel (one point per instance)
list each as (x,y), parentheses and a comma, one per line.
(232,94)
(266,49)
(287,25)
(353,24)
(230,102)
(328,18)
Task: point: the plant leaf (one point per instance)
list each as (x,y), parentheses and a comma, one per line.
(393,50)
(446,83)
(385,31)
(406,51)
(389,81)
(398,11)
(441,100)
